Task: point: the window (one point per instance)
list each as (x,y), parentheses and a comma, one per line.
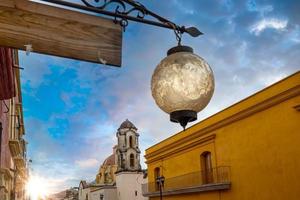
(17,126)
(86,197)
(122,161)
(101,196)
(135,193)
(105,177)
(206,167)
(130,142)
(131,160)
(156,175)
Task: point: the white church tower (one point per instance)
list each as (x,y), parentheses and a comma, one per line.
(129,175)
(128,152)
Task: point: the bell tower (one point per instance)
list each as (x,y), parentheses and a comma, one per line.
(128,152)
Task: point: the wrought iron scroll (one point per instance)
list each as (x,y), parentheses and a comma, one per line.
(128,10)
(120,9)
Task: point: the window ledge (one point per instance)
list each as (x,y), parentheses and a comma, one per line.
(194,189)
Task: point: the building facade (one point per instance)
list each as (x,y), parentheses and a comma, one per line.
(13,170)
(248,151)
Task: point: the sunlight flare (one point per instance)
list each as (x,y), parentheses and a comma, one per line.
(37,188)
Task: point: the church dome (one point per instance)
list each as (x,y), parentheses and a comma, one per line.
(109,160)
(127,124)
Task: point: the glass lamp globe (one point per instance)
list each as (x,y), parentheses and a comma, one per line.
(182,84)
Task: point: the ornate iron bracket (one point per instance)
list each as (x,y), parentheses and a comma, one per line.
(128,10)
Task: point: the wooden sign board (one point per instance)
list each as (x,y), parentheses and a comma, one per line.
(60,32)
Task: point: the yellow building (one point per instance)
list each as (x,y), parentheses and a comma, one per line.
(250,150)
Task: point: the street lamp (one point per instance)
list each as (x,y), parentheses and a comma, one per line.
(160,181)
(182,84)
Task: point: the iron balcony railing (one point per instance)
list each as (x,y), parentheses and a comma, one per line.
(195,179)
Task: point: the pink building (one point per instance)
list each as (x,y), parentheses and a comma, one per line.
(13,171)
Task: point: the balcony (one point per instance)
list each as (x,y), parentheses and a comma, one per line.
(15,147)
(20,162)
(200,181)
(23,173)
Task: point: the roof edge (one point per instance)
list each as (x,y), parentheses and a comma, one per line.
(290,84)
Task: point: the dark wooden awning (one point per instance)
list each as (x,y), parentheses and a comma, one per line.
(7,86)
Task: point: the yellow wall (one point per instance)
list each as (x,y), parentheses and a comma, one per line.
(259,138)
(111,170)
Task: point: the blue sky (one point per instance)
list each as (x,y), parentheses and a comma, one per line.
(72,109)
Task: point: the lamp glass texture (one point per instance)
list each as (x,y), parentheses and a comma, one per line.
(182,81)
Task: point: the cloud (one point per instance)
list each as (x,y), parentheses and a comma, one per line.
(252,6)
(294,35)
(272,23)
(87,163)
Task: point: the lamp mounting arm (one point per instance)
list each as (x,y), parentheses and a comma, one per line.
(127,10)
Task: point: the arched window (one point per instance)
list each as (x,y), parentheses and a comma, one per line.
(156,175)
(206,167)
(122,161)
(130,141)
(131,160)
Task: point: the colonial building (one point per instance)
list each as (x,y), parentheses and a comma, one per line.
(120,176)
(93,191)
(13,171)
(248,151)
(106,174)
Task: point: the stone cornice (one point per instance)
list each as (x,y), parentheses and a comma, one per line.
(297,107)
(177,147)
(102,187)
(247,111)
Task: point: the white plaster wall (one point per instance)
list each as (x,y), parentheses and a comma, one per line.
(108,194)
(95,195)
(82,193)
(121,141)
(111,194)
(128,183)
